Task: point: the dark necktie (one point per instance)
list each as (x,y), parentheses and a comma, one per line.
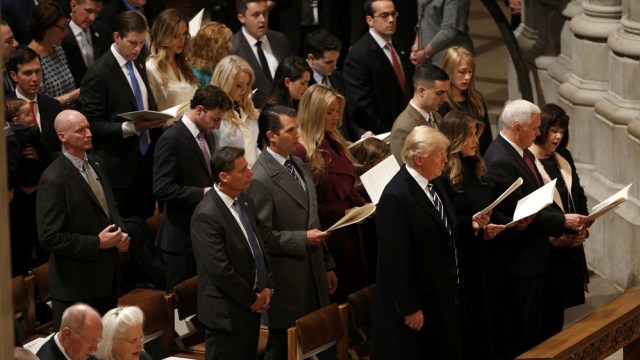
(431,121)
(202,142)
(261,269)
(397,69)
(440,208)
(95,187)
(263,61)
(325,80)
(144,134)
(289,165)
(528,159)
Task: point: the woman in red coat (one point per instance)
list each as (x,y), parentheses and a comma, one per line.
(324,149)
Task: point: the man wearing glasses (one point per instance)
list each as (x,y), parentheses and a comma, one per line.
(79,336)
(377,76)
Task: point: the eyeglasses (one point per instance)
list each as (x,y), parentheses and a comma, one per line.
(385,16)
(86,341)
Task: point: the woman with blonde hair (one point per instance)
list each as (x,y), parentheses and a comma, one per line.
(170,77)
(324,149)
(459,63)
(122,335)
(240,127)
(207,48)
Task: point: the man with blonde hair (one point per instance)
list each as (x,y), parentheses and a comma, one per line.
(417,305)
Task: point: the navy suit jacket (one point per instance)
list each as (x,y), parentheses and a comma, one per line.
(226,267)
(101,39)
(281,51)
(374,96)
(17,14)
(179,178)
(69,219)
(104,93)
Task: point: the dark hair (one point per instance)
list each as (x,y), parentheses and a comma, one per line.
(320,41)
(211,97)
(427,74)
(241,5)
(22,55)
(553,115)
(293,68)
(368,6)
(44,17)
(224,160)
(129,21)
(269,119)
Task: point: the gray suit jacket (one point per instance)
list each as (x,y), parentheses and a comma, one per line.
(286,212)
(281,50)
(405,122)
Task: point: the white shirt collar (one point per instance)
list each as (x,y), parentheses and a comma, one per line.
(75,29)
(252,40)
(279,158)
(424,114)
(381,42)
(190,125)
(225,198)
(518,148)
(421,180)
(20,96)
(121,60)
(64,353)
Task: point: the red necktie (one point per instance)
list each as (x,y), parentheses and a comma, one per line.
(397,69)
(32,108)
(527,159)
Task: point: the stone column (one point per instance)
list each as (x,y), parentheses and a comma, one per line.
(559,67)
(617,141)
(526,35)
(589,77)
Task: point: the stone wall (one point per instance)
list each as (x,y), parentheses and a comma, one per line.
(584,55)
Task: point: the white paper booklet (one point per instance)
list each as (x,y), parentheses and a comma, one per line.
(354,216)
(376,178)
(516,184)
(610,203)
(534,202)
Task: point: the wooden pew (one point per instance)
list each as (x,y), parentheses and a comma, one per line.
(608,329)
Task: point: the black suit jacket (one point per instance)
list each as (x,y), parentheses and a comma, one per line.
(374,96)
(529,249)
(69,219)
(105,92)
(111,9)
(281,51)
(51,351)
(226,268)
(179,178)
(17,14)
(417,270)
(101,39)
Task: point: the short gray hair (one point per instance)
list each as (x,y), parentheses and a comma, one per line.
(421,141)
(518,111)
(115,322)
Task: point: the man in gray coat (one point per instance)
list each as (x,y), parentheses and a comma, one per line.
(285,198)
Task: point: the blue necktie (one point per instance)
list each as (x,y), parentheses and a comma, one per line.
(261,269)
(144,134)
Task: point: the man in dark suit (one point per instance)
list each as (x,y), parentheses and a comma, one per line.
(323,52)
(430,84)
(150,9)
(284,193)
(78,223)
(234,273)
(417,306)
(378,78)
(9,45)
(182,176)
(78,338)
(262,48)
(508,158)
(87,39)
(115,84)
(25,70)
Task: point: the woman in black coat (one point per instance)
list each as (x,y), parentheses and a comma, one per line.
(567,278)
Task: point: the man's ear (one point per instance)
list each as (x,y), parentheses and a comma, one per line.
(271,135)
(241,18)
(223,177)
(13,75)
